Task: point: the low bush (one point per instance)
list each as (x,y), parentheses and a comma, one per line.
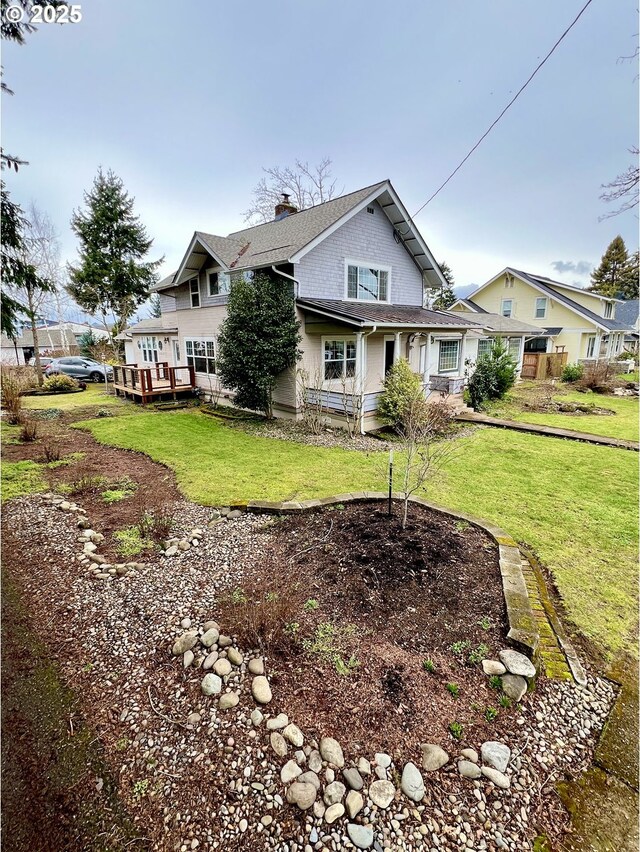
(29,430)
(263,615)
(59,383)
(11,397)
(401,387)
(155,525)
(104,412)
(494,374)
(598,376)
(51,451)
(572,372)
(129,542)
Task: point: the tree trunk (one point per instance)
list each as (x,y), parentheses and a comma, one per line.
(34,334)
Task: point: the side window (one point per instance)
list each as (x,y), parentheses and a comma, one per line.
(507,307)
(194,292)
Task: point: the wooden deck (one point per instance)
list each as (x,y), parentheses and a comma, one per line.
(154,381)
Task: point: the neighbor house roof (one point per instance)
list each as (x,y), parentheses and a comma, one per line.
(470,305)
(627,312)
(151,325)
(498,323)
(288,239)
(373,313)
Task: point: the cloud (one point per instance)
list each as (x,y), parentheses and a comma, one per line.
(582,267)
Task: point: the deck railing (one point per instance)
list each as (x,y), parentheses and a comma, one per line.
(155,379)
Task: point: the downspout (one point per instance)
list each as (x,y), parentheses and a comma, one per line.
(363,347)
(296,288)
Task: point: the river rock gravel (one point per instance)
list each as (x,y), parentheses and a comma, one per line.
(196,776)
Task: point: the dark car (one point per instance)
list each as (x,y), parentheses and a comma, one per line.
(84,369)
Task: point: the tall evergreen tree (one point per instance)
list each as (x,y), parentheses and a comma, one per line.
(608,278)
(446,297)
(155,310)
(629,286)
(112,276)
(258,339)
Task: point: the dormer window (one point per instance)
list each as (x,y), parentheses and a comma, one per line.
(608,310)
(367,283)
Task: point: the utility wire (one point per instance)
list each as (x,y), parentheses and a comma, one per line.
(511,102)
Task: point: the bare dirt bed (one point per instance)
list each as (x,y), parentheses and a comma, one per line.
(374,603)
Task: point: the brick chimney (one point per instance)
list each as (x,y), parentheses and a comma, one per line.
(285,208)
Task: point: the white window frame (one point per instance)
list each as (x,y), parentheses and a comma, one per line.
(337,338)
(191,340)
(484,340)
(227,282)
(544,301)
(446,370)
(364,264)
(510,344)
(502,308)
(195,292)
(149,349)
(591,345)
(608,310)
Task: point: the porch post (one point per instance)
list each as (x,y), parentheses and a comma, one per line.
(396,346)
(426,378)
(463,353)
(596,346)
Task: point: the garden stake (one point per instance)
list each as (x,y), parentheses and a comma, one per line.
(390,480)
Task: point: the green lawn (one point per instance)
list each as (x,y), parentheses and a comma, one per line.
(19,478)
(622,424)
(93,395)
(574,504)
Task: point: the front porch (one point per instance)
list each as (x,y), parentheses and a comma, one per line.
(153,382)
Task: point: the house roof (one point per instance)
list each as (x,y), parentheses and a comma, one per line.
(498,323)
(470,305)
(373,313)
(151,325)
(287,240)
(627,312)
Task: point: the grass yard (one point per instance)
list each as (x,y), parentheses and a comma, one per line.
(622,424)
(20,478)
(574,504)
(93,395)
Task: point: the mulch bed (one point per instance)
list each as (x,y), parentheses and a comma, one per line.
(395,598)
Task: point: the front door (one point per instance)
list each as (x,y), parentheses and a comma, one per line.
(389,354)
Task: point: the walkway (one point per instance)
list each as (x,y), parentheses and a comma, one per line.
(549,431)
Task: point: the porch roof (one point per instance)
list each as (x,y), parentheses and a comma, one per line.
(361,314)
(496,323)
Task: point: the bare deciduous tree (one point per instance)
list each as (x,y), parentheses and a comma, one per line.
(623,189)
(425,446)
(307,185)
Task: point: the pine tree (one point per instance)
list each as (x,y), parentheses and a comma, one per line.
(446,297)
(258,339)
(608,278)
(111,276)
(155,310)
(629,283)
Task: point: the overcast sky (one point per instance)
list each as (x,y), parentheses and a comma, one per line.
(188,101)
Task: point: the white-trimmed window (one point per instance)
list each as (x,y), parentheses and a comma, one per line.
(149,346)
(541,307)
(201,354)
(507,307)
(339,359)
(219,283)
(608,310)
(367,283)
(591,346)
(514,348)
(194,293)
(448,356)
(485,346)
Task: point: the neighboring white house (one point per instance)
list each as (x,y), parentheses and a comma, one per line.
(53,338)
(358,268)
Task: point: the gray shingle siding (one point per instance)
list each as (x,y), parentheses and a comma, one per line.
(365,237)
(183,294)
(167,303)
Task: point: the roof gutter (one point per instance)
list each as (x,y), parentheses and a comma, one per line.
(296,283)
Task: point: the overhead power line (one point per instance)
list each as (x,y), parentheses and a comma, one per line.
(511,102)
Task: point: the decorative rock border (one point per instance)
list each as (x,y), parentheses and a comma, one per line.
(523,630)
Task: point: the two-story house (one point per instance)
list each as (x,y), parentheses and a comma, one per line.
(357,267)
(570,320)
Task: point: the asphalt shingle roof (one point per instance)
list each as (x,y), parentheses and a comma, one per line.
(368,313)
(627,312)
(496,322)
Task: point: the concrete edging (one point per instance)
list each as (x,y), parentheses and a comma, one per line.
(523,630)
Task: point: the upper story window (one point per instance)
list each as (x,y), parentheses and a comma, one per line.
(194,293)
(541,307)
(608,310)
(507,307)
(219,283)
(367,283)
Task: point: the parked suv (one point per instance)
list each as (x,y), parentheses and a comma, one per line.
(85,369)
(44,361)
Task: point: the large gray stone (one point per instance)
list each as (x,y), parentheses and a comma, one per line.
(468,769)
(382,793)
(210,637)
(353,778)
(331,751)
(495,754)
(222,667)
(354,803)
(514,686)
(261,690)
(234,656)
(493,667)
(334,792)
(315,761)
(433,757)
(211,684)
(184,643)
(228,700)
(333,812)
(309,778)
(412,783)
(294,735)
(302,795)
(278,722)
(290,771)
(278,744)
(516,663)
(360,835)
(498,778)
(256,666)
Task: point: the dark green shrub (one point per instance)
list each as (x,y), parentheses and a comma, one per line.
(59,383)
(494,374)
(401,387)
(572,372)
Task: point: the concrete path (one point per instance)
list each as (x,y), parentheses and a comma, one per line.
(549,431)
